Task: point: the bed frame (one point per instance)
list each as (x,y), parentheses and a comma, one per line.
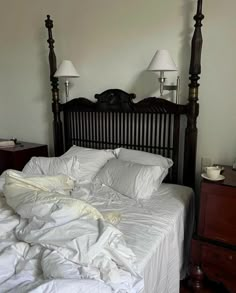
(114,120)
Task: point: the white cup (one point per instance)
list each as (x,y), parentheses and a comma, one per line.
(213,172)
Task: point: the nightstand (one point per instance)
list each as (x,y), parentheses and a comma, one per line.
(214,246)
(16,157)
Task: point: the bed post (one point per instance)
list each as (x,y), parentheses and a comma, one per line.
(57,125)
(193,106)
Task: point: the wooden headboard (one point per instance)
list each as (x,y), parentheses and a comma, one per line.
(114,120)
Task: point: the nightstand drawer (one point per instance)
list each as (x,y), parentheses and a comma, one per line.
(218,213)
(219,264)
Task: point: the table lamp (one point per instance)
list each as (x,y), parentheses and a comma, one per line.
(66,70)
(162,62)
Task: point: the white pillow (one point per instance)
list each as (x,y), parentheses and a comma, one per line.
(53,166)
(91,160)
(144,158)
(131,179)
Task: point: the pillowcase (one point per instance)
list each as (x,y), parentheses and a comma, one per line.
(145,158)
(90,160)
(131,179)
(53,166)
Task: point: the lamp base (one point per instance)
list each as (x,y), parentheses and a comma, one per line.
(67,89)
(166,87)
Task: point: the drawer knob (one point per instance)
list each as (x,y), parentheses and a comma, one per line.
(230,257)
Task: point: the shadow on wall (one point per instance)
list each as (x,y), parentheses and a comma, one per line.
(145,84)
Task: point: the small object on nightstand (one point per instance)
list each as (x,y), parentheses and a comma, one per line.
(213,173)
(221,168)
(17,156)
(219,178)
(17,142)
(14,139)
(7,143)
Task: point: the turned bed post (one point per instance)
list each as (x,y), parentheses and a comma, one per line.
(193,106)
(57,125)
(196,273)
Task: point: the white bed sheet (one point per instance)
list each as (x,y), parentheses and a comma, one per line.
(158,231)
(70,240)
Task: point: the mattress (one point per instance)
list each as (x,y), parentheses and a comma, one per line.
(158,231)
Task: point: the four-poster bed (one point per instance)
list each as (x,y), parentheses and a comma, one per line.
(68,224)
(153,124)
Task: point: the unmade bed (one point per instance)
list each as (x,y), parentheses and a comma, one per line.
(157,230)
(105,218)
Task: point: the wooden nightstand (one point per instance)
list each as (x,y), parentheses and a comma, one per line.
(16,157)
(214,246)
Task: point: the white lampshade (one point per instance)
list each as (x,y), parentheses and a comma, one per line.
(162,61)
(66,69)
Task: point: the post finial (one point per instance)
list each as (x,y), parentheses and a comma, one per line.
(52,59)
(196,50)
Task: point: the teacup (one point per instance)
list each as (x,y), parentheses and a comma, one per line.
(213,172)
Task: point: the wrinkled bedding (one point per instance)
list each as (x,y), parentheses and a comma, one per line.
(52,242)
(158,230)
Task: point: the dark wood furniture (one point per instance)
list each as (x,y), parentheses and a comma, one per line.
(16,157)
(209,287)
(214,246)
(152,125)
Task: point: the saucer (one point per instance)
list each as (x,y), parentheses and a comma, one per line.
(221,177)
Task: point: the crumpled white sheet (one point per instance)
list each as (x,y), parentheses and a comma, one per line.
(58,242)
(158,230)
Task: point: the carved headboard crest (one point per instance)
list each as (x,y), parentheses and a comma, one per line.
(115,100)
